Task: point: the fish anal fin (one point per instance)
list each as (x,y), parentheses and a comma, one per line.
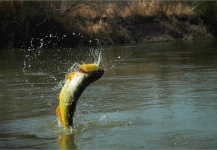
(59,115)
(70,75)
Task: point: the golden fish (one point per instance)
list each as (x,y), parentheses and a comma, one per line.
(75,84)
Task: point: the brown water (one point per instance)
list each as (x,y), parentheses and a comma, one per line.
(163,95)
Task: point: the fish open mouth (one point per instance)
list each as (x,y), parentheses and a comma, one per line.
(82,71)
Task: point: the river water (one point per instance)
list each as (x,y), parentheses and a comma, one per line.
(162,95)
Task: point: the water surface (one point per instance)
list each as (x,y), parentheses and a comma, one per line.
(163,95)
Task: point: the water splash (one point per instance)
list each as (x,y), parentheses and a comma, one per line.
(53,63)
(57,63)
(99,60)
(74,67)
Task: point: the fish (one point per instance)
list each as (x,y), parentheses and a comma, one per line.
(75,83)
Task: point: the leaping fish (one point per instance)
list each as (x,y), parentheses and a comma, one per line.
(75,83)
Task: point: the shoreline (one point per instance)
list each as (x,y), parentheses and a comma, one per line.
(164,29)
(88,23)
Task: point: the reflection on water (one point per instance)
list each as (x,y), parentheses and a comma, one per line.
(163,95)
(66,141)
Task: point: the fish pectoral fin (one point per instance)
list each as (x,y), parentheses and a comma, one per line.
(70,75)
(59,114)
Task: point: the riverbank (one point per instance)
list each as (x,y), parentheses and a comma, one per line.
(164,28)
(40,24)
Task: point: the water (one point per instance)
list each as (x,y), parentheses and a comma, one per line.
(163,95)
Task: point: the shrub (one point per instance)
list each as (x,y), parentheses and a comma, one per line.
(207,10)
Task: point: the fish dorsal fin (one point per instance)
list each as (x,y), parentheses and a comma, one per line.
(88,67)
(59,115)
(70,75)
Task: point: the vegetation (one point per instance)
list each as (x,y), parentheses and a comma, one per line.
(48,24)
(207,11)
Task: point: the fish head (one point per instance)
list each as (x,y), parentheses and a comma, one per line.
(93,71)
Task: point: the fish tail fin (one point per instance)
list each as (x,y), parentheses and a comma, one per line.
(59,115)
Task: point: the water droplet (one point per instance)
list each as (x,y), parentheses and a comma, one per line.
(102,118)
(128,124)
